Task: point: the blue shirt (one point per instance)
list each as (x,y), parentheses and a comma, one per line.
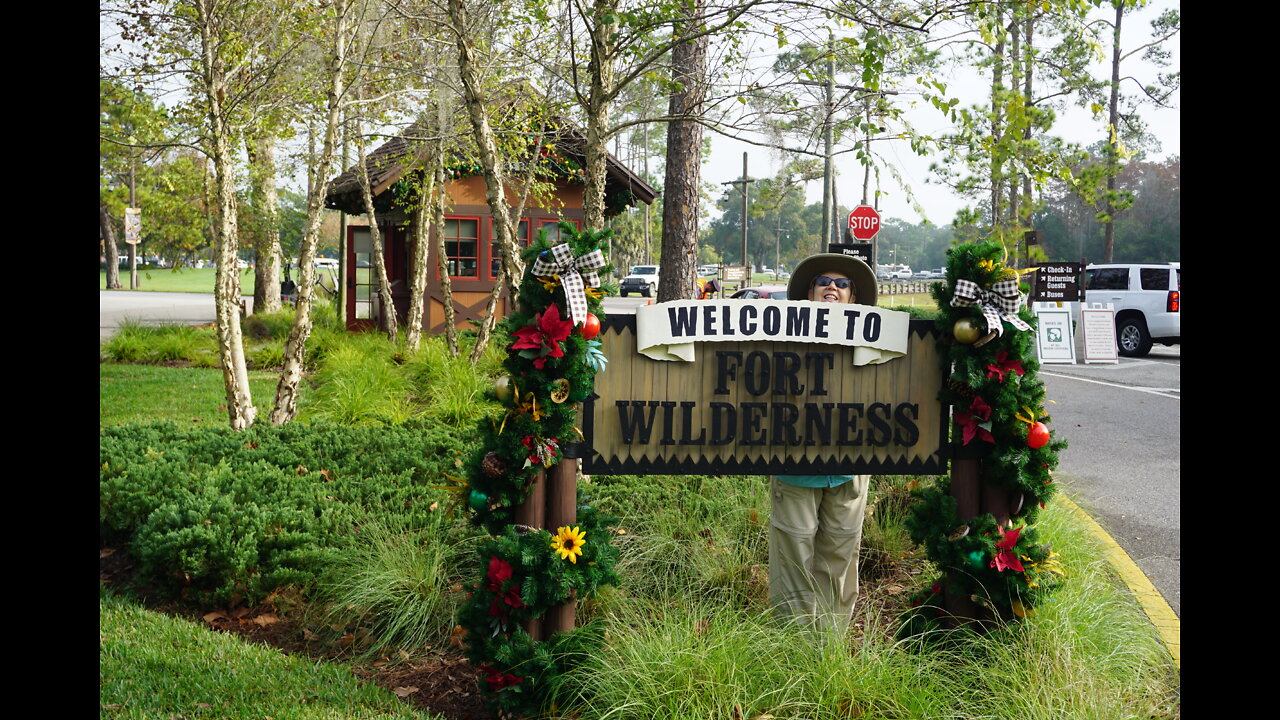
(815,481)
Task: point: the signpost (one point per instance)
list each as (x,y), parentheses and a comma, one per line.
(1056,282)
(862,251)
(864,223)
(759,406)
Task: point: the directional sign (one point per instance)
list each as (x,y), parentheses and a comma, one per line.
(864,222)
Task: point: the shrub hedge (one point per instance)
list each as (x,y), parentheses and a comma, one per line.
(219,516)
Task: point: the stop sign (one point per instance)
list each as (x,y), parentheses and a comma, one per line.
(864,222)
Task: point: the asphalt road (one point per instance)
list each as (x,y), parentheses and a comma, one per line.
(1122,464)
(153,308)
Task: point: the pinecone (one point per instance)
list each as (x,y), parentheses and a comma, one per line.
(960,388)
(492,465)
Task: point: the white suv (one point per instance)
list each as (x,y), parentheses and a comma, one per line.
(1147,298)
(643,279)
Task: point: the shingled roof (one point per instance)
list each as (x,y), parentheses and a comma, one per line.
(404,153)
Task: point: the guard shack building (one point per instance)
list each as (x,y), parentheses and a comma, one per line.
(471,238)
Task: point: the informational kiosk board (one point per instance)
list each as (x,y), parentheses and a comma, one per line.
(759,407)
(1098,328)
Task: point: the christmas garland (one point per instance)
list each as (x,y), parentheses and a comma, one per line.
(999,414)
(551,366)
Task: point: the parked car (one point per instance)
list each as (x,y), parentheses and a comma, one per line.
(326,263)
(705,270)
(642,279)
(761,292)
(1147,298)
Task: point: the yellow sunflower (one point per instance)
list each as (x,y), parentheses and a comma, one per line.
(568,542)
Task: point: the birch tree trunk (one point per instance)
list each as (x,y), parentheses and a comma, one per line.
(418,259)
(494,174)
(684,156)
(110,249)
(286,403)
(226,290)
(387,310)
(442,262)
(266,273)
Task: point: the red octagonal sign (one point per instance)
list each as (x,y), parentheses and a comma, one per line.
(864,222)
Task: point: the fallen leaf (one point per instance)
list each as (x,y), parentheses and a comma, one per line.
(457,462)
(266,619)
(204,706)
(213,616)
(302,470)
(755,518)
(327,475)
(456,636)
(251,445)
(404,655)
(737,711)
(105,552)
(432,507)
(404,692)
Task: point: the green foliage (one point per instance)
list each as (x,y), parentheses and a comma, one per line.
(159,344)
(216,515)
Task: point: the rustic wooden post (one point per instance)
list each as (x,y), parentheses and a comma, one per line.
(532,513)
(974,497)
(562,509)
(552,503)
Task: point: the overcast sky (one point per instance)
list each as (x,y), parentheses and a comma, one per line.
(940,204)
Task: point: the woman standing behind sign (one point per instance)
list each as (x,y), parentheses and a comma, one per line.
(815,527)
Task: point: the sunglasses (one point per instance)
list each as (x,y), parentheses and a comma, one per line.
(823,281)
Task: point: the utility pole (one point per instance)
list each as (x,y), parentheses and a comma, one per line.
(744,181)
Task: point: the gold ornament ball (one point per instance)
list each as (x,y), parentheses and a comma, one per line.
(965,331)
(502,388)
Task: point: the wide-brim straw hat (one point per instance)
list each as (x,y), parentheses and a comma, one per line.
(864,280)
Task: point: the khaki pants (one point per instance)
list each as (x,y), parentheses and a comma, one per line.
(814,537)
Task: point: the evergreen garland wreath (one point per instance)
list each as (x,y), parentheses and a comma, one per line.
(549,374)
(997,400)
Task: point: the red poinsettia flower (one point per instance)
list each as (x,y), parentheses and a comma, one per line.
(1003,365)
(973,420)
(498,680)
(1007,559)
(499,572)
(544,336)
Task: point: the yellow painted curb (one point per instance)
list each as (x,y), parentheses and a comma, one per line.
(1152,602)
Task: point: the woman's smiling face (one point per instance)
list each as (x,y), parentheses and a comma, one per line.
(831,293)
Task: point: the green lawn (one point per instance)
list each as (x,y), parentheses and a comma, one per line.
(155,666)
(192,280)
(138,393)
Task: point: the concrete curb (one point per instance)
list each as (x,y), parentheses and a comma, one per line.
(1152,602)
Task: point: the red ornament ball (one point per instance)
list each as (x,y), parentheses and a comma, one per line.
(1038,436)
(590,326)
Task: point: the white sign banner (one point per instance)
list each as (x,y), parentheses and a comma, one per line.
(132,225)
(667,331)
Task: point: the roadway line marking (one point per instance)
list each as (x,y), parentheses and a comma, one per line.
(1153,603)
(1162,392)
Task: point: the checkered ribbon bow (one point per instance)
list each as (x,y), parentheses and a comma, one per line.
(575,273)
(1002,301)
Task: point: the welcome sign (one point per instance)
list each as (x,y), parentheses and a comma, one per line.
(839,389)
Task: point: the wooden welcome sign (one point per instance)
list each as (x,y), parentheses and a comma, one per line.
(759,406)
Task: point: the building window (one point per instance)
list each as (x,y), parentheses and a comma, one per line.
(462,247)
